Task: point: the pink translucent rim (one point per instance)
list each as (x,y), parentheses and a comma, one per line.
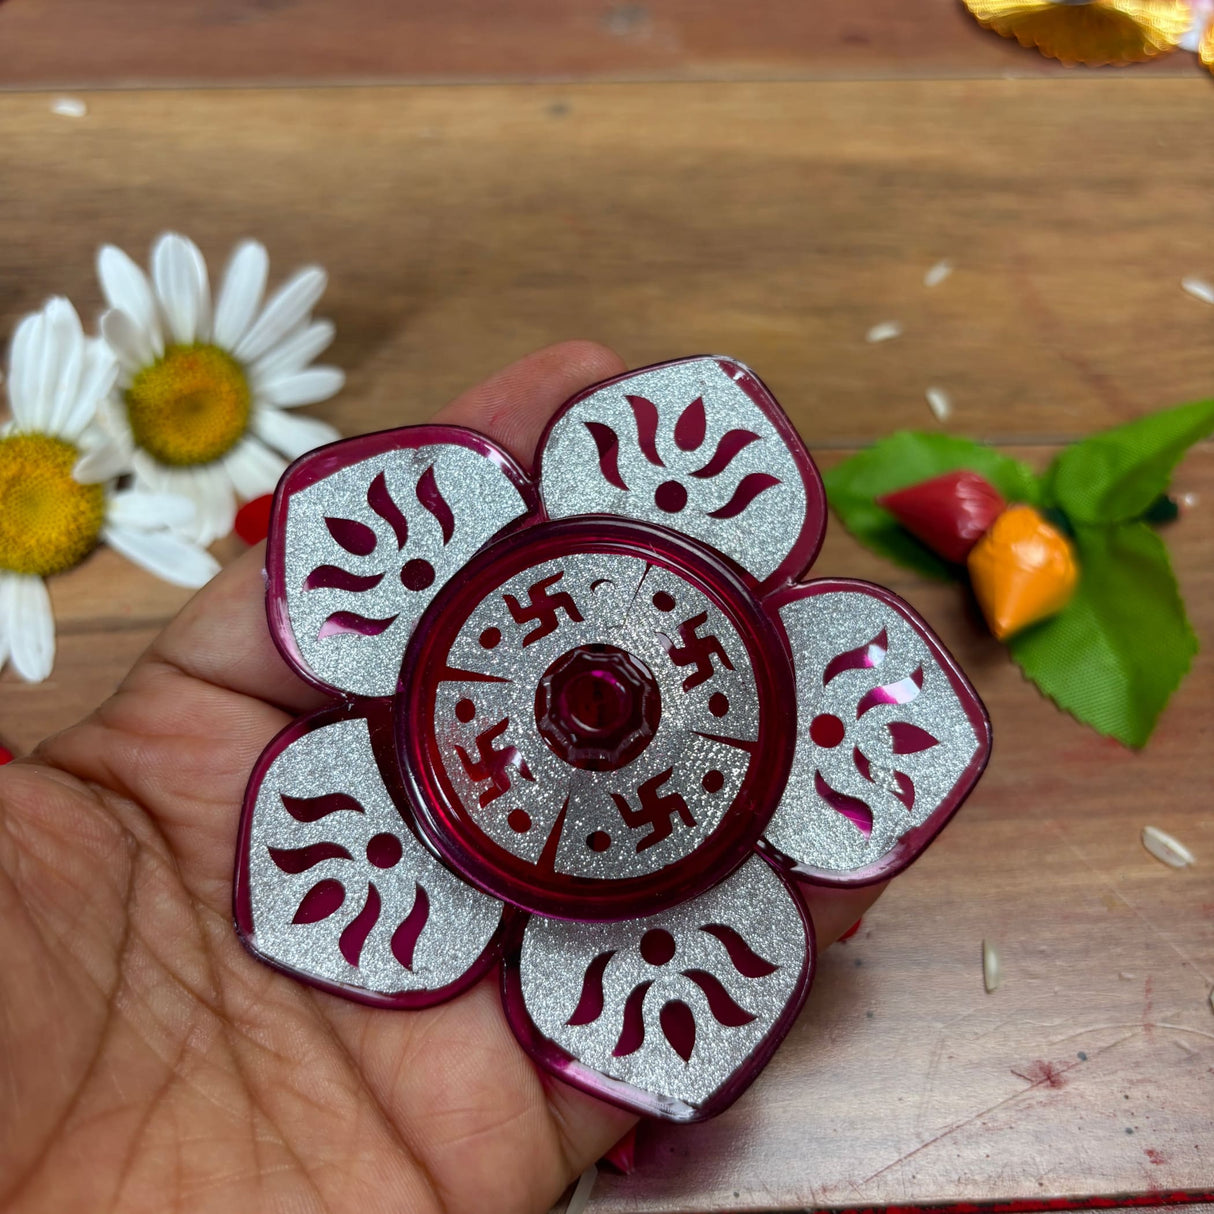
(381,730)
(495,870)
(913,843)
(565,1067)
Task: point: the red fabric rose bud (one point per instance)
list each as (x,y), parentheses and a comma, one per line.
(949,513)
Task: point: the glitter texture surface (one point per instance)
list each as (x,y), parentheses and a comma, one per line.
(481,500)
(807,826)
(555,959)
(615,597)
(456,921)
(575,477)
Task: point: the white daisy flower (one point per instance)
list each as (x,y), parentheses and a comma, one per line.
(200,396)
(57,494)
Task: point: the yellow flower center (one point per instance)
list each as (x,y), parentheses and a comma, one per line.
(191,406)
(48,520)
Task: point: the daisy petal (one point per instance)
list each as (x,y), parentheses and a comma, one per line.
(168,556)
(98,372)
(304,387)
(7,584)
(212,493)
(31,628)
(287,309)
(244,283)
(65,361)
(102,463)
(24,356)
(254,469)
(292,435)
(175,272)
(126,287)
(156,478)
(133,508)
(295,353)
(130,344)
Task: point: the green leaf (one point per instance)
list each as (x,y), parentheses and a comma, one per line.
(1114,655)
(906,458)
(1114,476)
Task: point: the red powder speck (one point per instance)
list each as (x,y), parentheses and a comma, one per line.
(1158,1158)
(1040,1072)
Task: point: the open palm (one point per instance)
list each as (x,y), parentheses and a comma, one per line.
(148,1062)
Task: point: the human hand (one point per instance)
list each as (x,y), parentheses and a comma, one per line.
(149,1061)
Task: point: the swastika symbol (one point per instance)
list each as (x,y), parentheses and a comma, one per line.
(698,651)
(493,764)
(656,811)
(543,607)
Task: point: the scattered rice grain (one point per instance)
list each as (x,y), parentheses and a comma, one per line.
(1166,849)
(940,403)
(69,107)
(1198,288)
(992,968)
(938,273)
(885,331)
(1188,500)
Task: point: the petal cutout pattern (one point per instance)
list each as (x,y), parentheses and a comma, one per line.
(352,902)
(655,1014)
(363,536)
(891,737)
(699,446)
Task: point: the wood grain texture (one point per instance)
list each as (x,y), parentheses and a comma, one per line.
(777,222)
(83,43)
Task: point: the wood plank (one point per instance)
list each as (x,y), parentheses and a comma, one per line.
(465,226)
(89,43)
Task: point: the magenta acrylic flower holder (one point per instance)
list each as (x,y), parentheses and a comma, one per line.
(588,725)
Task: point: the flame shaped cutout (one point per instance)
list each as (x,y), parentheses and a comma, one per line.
(404,939)
(910,739)
(590,1004)
(690,428)
(312,809)
(342,622)
(744,959)
(632,1034)
(678,1027)
(354,934)
(720,1002)
(862,764)
(300,859)
(333,577)
(863,657)
(432,500)
(750,486)
(380,500)
(356,538)
(646,414)
(853,809)
(608,444)
(320,902)
(901,692)
(731,443)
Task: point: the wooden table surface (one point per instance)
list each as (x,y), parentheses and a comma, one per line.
(774,221)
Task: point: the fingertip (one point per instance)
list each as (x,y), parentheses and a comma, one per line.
(513,406)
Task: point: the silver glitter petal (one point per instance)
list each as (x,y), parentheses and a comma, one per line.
(899,762)
(611,1018)
(695,430)
(351,633)
(292,853)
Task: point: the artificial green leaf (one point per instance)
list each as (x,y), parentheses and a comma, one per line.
(906,458)
(1114,476)
(1114,655)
